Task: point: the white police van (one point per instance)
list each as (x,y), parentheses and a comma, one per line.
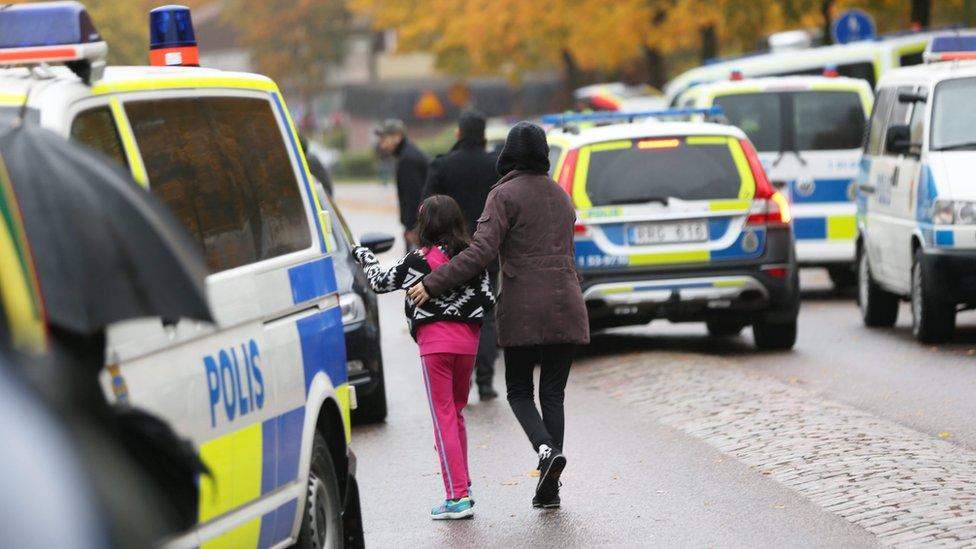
(263,392)
(808,131)
(916,197)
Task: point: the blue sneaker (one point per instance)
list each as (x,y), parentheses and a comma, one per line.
(452,510)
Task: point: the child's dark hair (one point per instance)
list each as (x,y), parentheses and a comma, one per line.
(441,223)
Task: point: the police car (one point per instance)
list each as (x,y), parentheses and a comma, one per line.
(808,131)
(677,220)
(263,392)
(916,199)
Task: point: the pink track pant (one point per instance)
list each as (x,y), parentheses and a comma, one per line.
(447,378)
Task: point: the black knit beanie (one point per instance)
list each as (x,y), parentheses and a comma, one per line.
(525,149)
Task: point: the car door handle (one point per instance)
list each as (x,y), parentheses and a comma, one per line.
(866,188)
(894,177)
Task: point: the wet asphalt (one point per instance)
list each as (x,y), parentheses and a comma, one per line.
(631,480)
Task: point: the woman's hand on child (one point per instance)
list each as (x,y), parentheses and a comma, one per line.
(419,294)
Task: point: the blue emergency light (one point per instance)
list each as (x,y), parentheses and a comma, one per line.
(46,24)
(624,116)
(171,38)
(954,47)
(52,32)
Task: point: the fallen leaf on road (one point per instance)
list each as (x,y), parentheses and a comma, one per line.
(778,506)
(534,473)
(792,380)
(510,482)
(945,435)
(768,472)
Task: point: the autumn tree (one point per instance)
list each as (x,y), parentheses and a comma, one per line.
(293,41)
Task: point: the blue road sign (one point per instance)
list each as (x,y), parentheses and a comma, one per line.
(853,25)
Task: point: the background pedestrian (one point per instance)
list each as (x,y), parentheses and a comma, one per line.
(528,223)
(467,173)
(410,173)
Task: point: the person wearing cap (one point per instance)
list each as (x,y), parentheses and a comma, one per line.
(411,174)
(528,224)
(467,173)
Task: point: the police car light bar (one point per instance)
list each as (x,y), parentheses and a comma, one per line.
(954,47)
(624,116)
(52,32)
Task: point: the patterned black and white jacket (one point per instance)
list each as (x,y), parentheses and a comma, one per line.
(468,303)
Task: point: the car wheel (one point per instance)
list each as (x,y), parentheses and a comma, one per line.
(879,308)
(322,521)
(933,320)
(372,408)
(779,336)
(723,328)
(843,277)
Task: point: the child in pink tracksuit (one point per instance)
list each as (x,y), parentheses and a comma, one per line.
(446,329)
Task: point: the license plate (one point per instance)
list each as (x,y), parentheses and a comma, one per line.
(668,233)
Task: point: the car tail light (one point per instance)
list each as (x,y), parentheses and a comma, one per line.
(776,271)
(769,206)
(580,229)
(568,171)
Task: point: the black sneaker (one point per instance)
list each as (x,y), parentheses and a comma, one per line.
(551,465)
(487,393)
(547,500)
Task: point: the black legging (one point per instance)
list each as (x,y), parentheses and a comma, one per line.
(555,361)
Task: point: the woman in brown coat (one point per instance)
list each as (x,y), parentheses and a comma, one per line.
(528,223)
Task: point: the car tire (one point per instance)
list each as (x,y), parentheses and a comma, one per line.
(779,336)
(723,328)
(322,520)
(933,319)
(879,308)
(843,276)
(372,408)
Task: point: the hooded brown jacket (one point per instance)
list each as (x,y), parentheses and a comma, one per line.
(528,224)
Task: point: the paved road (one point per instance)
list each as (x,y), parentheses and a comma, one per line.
(856,438)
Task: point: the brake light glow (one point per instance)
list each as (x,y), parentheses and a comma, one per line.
(736,75)
(568,171)
(172,41)
(657,144)
(830,71)
(776,271)
(770,207)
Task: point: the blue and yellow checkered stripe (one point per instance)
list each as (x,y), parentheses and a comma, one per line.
(832,227)
(264,457)
(589,254)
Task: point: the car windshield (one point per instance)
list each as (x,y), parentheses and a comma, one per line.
(661,169)
(953,118)
(814,120)
(757,114)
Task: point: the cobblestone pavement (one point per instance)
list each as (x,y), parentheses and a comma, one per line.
(904,486)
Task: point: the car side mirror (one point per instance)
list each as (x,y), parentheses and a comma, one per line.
(912,97)
(898,139)
(377,242)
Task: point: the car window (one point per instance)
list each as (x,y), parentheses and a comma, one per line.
(864,71)
(953,117)
(200,159)
(638,171)
(555,151)
(827,120)
(9,114)
(759,115)
(96,129)
(899,110)
(910,59)
(879,119)
(917,123)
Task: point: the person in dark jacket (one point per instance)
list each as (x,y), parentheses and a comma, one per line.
(467,173)
(528,223)
(411,174)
